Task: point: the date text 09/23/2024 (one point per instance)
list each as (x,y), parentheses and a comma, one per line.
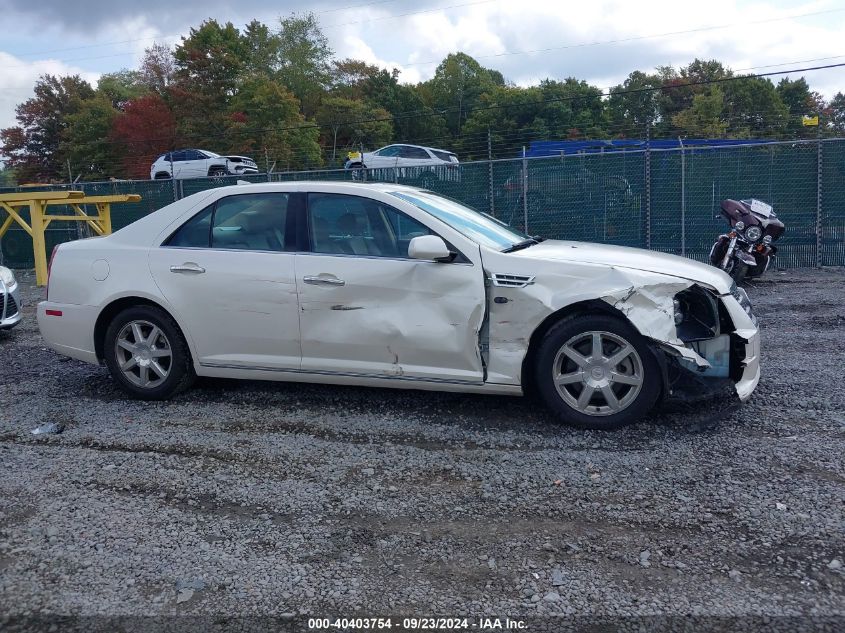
(417,624)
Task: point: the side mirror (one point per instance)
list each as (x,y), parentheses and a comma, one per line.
(428,247)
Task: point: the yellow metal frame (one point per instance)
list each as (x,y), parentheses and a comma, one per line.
(38,203)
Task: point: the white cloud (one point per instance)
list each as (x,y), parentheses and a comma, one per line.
(18,79)
(600,41)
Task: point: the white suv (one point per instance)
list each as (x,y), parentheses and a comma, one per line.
(199,163)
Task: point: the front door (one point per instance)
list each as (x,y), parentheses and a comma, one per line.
(228,273)
(369,310)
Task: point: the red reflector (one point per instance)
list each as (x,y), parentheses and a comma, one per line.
(54,312)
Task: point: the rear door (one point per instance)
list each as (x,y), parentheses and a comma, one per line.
(228,273)
(369,310)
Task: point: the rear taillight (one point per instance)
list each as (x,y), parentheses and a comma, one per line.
(50,267)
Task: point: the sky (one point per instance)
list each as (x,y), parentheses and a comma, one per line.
(600,41)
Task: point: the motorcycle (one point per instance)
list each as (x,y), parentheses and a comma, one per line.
(746,250)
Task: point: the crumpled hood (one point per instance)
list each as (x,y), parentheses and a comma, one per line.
(626,257)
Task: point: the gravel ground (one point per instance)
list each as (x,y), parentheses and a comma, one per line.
(269,498)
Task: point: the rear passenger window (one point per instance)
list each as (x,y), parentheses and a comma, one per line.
(254,222)
(195,232)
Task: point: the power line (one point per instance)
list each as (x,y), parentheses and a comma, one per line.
(636,38)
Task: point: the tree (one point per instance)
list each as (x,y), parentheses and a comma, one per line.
(145,129)
(457,86)
(836,114)
(304,59)
(703,119)
(32,147)
(753,108)
(158,68)
(121,87)
(414,121)
(350,78)
(799,101)
(265,121)
(634,105)
(7,177)
(262,48)
(350,124)
(210,66)
(516,116)
(86,142)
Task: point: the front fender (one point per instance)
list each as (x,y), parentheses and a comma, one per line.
(645,299)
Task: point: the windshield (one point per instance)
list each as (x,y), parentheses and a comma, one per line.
(210,154)
(479,228)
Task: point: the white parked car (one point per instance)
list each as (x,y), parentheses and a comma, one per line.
(385,285)
(10,301)
(199,163)
(442,164)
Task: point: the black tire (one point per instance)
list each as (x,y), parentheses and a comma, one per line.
(358,171)
(180,371)
(427,180)
(217,172)
(739,271)
(162,175)
(570,328)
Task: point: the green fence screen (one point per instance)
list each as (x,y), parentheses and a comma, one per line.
(666,200)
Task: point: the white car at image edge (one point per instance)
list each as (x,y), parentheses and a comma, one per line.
(10,301)
(392,286)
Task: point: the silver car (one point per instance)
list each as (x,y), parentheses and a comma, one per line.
(10,302)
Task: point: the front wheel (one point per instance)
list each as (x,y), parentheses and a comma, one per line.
(737,270)
(597,372)
(146,353)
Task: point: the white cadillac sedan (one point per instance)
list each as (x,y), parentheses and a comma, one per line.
(392,286)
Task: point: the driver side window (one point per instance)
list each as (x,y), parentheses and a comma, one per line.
(350,225)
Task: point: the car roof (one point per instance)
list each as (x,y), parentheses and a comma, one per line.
(434,149)
(322,185)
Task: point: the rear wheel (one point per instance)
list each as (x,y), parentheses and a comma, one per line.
(597,372)
(358,171)
(427,180)
(146,353)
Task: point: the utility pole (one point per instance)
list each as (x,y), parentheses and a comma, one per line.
(173,177)
(648,185)
(819,195)
(267,162)
(524,190)
(683,200)
(490,172)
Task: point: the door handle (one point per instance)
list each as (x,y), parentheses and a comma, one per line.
(188,267)
(329,281)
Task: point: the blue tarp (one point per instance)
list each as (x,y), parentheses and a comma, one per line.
(556,148)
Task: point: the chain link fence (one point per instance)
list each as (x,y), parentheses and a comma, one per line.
(661,199)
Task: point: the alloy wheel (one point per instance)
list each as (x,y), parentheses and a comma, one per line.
(143,354)
(598,373)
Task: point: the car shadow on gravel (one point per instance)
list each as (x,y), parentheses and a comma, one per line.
(296,404)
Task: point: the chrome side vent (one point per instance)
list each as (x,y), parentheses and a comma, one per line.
(504,280)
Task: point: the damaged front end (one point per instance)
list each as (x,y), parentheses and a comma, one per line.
(718,345)
(705,342)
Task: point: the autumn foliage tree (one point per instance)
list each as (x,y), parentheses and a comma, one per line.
(145,129)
